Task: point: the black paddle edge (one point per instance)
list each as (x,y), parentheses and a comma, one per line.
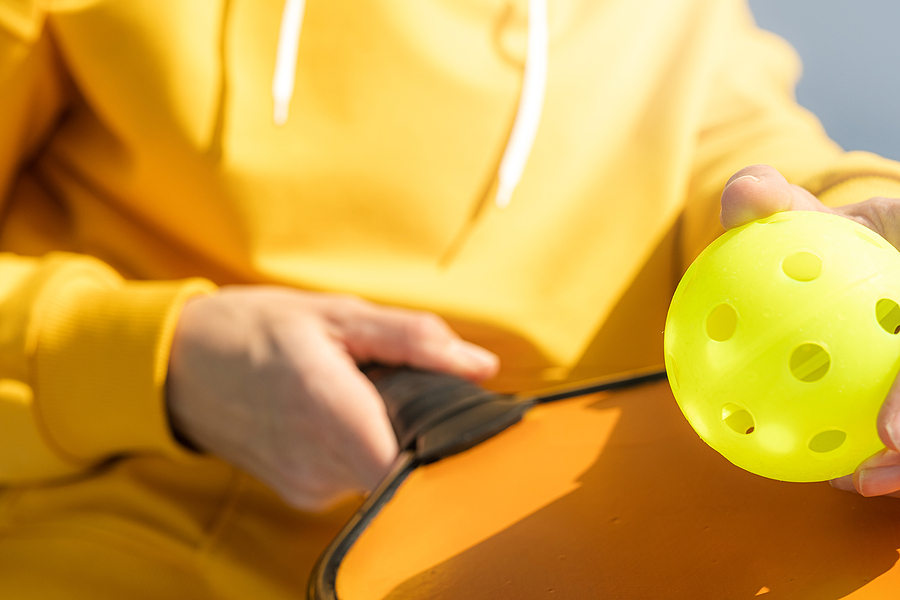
(324,574)
(603,385)
(322,580)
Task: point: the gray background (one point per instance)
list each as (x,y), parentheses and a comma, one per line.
(851,65)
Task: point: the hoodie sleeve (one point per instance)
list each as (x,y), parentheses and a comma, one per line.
(751,117)
(83,353)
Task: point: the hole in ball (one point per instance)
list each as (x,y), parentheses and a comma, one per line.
(738,419)
(827,441)
(721,322)
(888,314)
(810,362)
(802,266)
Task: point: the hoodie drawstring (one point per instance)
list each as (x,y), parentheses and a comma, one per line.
(531,96)
(286,58)
(531,105)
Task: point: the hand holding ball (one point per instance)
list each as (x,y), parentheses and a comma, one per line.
(782,342)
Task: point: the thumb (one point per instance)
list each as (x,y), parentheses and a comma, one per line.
(759,191)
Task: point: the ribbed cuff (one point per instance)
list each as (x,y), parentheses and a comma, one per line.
(100,363)
(858,189)
(855,177)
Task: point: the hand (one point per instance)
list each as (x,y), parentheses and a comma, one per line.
(759,191)
(266,378)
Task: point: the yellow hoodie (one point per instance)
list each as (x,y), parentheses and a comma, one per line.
(141,163)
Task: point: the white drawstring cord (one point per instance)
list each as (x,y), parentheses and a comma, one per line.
(531,105)
(286,58)
(531,96)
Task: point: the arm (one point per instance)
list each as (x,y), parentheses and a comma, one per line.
(92,366)
(751,117)
(53,309)
(83,358)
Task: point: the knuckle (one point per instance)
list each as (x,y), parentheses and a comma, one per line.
(347,303)
(425,328)
(884,207)
(885,203)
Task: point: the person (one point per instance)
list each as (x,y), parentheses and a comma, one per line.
(213,212)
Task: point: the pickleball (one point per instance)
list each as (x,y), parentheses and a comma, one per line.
(782,340)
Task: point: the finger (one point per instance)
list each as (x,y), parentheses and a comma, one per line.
(889,418)
(403,337)
(877,481)
(882,458)
(881,215)
(878,475)
(844,483)
(759,191)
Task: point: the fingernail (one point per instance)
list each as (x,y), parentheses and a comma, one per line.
(476,356)
(741,178)
(843,483)
(879,480)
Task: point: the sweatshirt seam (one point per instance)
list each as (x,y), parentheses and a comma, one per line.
(140,540)
(224,516)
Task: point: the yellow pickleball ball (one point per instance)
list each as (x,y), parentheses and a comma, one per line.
(781,343)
